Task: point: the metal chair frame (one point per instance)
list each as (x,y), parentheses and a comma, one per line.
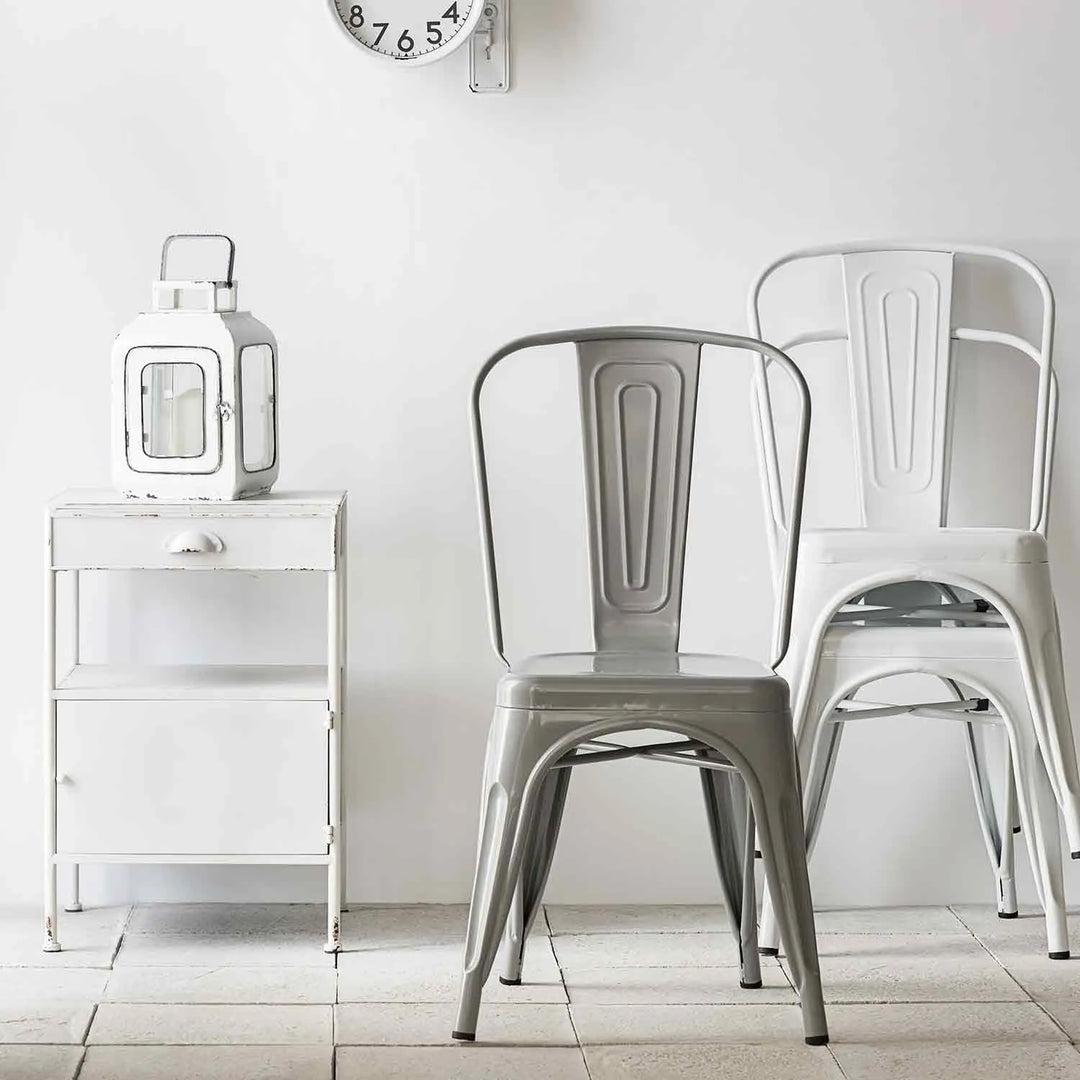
(509,885)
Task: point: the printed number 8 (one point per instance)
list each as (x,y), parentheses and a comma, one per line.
(356,16)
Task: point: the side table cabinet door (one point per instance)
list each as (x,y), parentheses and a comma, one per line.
(191,777)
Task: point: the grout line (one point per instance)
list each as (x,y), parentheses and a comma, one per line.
(985,949)
(566,991)
(79,1067)
(90,1024)
(832,1054)
(1053,1020)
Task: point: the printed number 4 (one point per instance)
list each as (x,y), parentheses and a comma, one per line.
(451,13)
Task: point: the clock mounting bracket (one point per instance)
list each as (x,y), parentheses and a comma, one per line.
(489,50)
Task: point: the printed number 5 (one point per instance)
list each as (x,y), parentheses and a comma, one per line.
(434,32)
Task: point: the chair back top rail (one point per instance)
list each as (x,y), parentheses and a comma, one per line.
(638,396)
(899,333)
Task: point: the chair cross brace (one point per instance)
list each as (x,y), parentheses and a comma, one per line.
(967,709)
(975,611)
(682,752)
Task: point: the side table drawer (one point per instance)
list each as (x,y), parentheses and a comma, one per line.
(191,777)
(196,543)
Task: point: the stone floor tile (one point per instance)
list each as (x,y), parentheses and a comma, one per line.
(888,920)
(689,1062)
(255,1025)
(1066,1013)
(942,1021)
(374,1024)
(911,967)
(472,1062)
(227,919)
(953,1061)
(223,985)
(284,949)
(45,1022)
(433,974)
(1042,977)
(1023,936)
(769,1025)
(208,1063)
(645,950)
(89,938)
(674,986)
(39,1062)
(20,986)
(637,918)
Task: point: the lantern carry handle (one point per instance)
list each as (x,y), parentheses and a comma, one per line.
(228,280)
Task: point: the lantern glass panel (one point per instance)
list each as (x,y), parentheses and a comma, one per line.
(257,406)
(173,410)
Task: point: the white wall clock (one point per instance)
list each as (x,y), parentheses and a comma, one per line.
(412,33)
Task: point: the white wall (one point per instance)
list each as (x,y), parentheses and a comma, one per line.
(393,229)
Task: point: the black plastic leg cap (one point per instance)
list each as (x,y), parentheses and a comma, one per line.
(763,951)
(1008,914)
(1076,854)
(817,1040)
(510,982)
(1060,955)
(461,1036)
(750,986)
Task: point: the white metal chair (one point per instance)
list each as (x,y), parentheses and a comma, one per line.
(974,606)
(638,395)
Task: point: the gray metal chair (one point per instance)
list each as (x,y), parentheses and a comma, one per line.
(638,393)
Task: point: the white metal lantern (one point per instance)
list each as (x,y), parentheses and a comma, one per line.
(195,393)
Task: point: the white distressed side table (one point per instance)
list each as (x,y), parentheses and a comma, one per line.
(210,763)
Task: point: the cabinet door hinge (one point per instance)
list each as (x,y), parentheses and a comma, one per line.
(329,833)
(329,721)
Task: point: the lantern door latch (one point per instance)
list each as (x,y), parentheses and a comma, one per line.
(489,50)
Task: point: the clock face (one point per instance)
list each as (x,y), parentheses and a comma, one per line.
(410,31)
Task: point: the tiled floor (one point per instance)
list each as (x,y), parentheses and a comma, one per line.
(201,992)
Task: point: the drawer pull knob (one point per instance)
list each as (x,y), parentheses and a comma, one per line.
(194,543)
(63,778)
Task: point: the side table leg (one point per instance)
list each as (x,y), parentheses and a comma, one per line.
(333,670)
(75,901)
(51,943)
(333,903)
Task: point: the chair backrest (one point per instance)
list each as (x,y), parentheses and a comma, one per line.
(899,333)
(638,393)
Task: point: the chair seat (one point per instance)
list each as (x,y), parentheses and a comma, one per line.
(954,642)
(922,546)
(642,682)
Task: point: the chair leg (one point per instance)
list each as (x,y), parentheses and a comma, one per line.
(1039,814)
(731,829)
(1039,631)
(995,820)
(815,792)
(535,868)
(778,812)
(494,883)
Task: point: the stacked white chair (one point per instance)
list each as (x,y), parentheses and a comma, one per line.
(906,593)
